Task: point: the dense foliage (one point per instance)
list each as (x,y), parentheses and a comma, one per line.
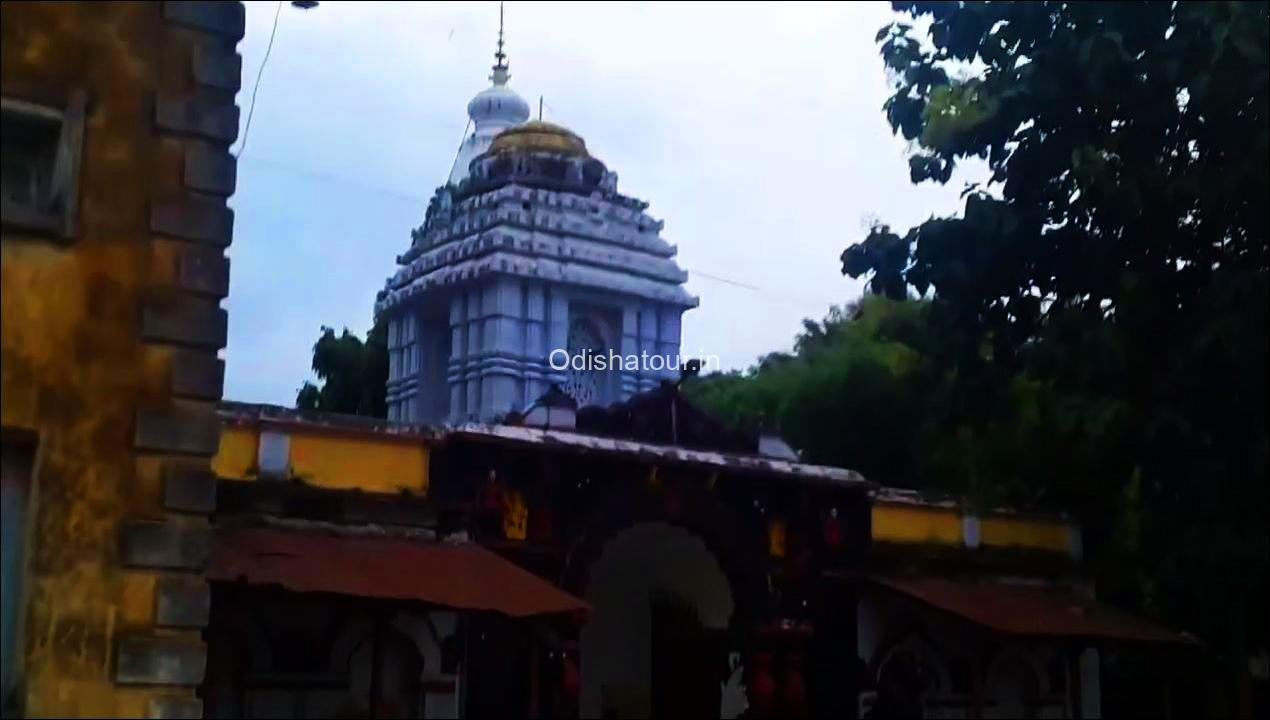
(354,373)
(868,388)
(1093,333)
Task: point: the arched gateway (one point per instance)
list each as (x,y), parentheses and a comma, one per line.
(662,608)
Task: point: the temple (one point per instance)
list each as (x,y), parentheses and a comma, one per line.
(528,248)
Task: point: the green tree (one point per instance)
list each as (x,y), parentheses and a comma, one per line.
(1117,259)
(856,391)
(869,388)
(354,373)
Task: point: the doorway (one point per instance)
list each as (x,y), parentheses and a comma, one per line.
(650,648)
(685,661)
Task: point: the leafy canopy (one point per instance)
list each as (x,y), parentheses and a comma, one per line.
(1092,333)
(354,373)
(1118,254)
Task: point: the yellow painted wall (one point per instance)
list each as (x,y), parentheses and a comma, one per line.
(916,524)
(236,457)
(327,459)
(1031,533)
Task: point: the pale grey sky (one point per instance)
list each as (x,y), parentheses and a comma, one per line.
(754,130)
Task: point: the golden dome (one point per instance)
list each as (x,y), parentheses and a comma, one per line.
(539,136)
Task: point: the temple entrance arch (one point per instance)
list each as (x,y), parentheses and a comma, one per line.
(661,601)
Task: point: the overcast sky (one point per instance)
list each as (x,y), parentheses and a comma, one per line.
(755,131)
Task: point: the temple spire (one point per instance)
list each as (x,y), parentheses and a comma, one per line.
(500,58)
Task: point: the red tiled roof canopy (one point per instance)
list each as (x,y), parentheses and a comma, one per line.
(463,577)
(1030,610)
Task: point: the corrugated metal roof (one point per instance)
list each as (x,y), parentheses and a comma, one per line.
(236,413)
(927,499)
(1030,610)
(462,577)
(733,462)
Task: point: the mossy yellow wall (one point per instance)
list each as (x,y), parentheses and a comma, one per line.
(909,524)
(918,524)
(73,368)
(236,457)
(327,459)
(1035,534)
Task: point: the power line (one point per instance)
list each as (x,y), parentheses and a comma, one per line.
(251,110)
(737,283)
(419,199)
(758,289)
(333,178)
(459,150)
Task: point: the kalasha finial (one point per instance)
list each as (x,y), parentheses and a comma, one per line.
(500,57)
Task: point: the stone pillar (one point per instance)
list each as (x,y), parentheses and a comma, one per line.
(454,374)
(536,349)
(668,336)
(557,320)
(647,345)
(474,334)
(535,321)
(502,379)
(557,332)
(629,381)
(475,328)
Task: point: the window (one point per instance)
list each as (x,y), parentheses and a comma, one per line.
(585,385)
(39,164)
(408,360)
(273,456)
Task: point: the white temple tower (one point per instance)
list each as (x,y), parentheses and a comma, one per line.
(492,111)
(528,248)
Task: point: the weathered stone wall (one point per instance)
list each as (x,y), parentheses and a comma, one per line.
(110,342)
